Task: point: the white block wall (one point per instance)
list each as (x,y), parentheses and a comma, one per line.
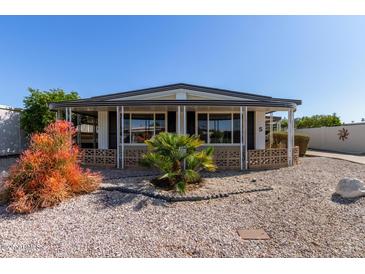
(103,130)
(10,133)
(259,130)
(326,138)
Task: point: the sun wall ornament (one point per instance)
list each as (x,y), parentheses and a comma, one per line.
(343,134)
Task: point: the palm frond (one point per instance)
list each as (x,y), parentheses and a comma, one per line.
(181,187)
(168,152)
(191,176)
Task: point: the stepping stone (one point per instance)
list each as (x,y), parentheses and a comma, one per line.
(253,234)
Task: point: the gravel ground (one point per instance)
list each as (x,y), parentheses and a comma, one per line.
(212,184)
(6,162)
(301,215)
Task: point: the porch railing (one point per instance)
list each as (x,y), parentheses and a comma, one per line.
(225,157)
(271,158)
(98,157)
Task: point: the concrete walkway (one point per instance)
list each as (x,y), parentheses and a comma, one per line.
(348,157)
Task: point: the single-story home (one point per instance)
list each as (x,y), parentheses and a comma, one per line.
(113,127)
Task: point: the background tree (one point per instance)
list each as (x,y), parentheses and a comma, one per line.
(314,121)
(318,121)
(36,114)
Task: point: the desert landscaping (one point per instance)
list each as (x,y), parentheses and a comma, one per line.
(300,213)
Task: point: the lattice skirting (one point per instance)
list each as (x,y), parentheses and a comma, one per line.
(225,157)
(99,157)
(132,155)
(271,158)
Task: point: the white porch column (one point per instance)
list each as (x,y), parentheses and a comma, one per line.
(68,114)
(184,118)
(122,109)
(245,135)
(58,115)
(178,114)
(271,129)
(290,136)
(241,137)
(118,136)
(103,140)
(68,117)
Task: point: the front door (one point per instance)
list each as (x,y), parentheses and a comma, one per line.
(250,130)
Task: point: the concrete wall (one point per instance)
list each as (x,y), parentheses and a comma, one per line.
(11,137)
(327,138)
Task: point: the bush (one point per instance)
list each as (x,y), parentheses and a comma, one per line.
(168,152)
(280,139)
(48,171)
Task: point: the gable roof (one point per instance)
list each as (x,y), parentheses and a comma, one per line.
(211,90)
(107,99)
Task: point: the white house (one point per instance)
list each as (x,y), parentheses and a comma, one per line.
(232,122)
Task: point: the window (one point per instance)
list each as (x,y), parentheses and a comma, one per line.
(203,126)
(236,128)
(220,128)
(127,135)
(159,123)
(223,128)
(139,127)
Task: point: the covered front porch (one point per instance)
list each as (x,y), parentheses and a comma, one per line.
(114,135)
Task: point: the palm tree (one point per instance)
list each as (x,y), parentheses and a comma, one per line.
(177,158)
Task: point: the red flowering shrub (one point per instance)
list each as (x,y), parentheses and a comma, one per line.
(48,171)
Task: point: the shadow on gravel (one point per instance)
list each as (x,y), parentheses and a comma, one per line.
(111,199)
(113,173)
(342,201)
(5,215)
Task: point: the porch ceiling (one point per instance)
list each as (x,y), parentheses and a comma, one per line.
(92,110)
(107,105)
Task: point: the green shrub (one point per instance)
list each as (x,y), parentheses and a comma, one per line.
(280,139)
(170,152)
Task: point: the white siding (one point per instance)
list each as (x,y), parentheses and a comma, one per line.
(103,130)
(181,94)
(260,130)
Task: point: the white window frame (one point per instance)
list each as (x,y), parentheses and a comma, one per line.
(208,128)
(154,122)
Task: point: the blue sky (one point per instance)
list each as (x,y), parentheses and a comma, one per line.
(320,60)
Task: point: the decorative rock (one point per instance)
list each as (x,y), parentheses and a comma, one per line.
(350,188)
(3,174)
